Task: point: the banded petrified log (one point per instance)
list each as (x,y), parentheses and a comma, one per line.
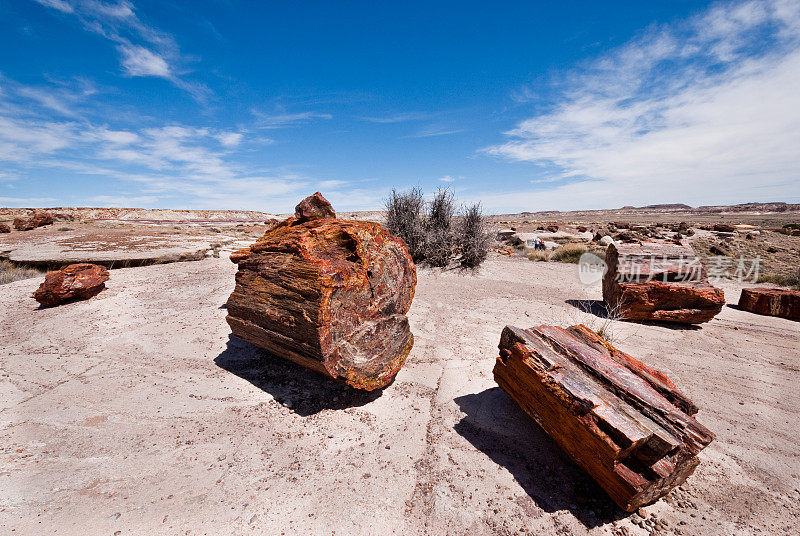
(657,281)
(624,423)
(771,301)
(329,294)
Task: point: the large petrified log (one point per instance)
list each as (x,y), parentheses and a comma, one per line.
(624,423)
(40,219)
(329,294)
(76,281)
(771,301)
(657,281)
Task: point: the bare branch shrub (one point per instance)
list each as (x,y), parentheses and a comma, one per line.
(404,213)
(439,229)
(472,238)
(430,232)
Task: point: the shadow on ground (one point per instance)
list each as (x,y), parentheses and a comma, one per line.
(496,426)
(301,390)
(598,309)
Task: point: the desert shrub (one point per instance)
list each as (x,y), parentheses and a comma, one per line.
(432,232)
(537,256)
(782,280)
(404,219)
(439,229)
(472,238)
(568,253)
(10,272)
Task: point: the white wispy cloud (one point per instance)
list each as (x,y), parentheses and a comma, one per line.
(60,5)
(143,50)
(448,178)
(398,118)
(267,120)
(435,130)
(164,165)
(703,111)
(230,139)
(139,61)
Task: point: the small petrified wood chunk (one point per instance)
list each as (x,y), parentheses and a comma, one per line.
(4,228)
(329,294)
(314,207)
(655,281)
(623,422)
(76,281)
(771,301)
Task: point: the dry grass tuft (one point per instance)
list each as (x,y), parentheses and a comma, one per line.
(570,253)
(791,281)
(537,256)
(10,272)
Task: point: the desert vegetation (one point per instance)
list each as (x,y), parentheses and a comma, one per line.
(10,272)
(434,233)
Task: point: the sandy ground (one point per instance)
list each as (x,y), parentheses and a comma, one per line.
(135,413)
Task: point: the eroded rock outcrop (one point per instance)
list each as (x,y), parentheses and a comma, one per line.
(76,281)
(329,294)
(771,301)
(625,423)
(4,228)
(655,281)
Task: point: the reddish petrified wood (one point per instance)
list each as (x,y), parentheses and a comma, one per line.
(657,281)
(4,228)
(329,294)
(40,219)
(624,423)
(771,301)
(76,281)
(314,207)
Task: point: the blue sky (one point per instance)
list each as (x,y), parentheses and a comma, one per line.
(521,105)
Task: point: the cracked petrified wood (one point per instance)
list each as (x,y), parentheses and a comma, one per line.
(771,301)
(74,282)
(329,294)
(661,282)
(624,423)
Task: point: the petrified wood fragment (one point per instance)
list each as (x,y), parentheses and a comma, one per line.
(623,422)
(76,281)
(329,294)
(657,281)
(39,219)
(771,301)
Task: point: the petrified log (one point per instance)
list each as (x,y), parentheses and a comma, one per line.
(329,294)
(771,301)
(624,423)
(658,281)
(76,281)
(4,228)
(40,219)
